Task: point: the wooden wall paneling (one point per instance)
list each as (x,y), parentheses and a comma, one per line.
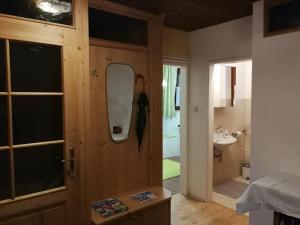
(50,216)
(116,167)
(158,215)
(32,204)
(83,103)
(156,69)
(17,29)
(53,216)
(33,219)
(117,45)
(120,9)
(71,124)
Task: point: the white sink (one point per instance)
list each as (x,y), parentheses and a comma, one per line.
(223,139)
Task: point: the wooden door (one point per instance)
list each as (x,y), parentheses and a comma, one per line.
(39,123)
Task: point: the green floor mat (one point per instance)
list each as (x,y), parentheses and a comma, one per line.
(170,169)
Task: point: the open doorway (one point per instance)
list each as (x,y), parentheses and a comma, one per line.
(174,149)
(232,90)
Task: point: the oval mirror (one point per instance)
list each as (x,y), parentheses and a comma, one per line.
(119,88)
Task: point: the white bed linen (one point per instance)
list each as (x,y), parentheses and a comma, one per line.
(280,193)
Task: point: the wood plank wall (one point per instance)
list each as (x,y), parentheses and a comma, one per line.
(115,168)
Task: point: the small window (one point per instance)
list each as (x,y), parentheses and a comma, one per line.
(57,11)
(114,27)
(38,169)
(35,68)
(282,16)
(37,119)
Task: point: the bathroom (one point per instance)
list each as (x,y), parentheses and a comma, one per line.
(232,83)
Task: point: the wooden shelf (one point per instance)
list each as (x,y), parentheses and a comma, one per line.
(161,193)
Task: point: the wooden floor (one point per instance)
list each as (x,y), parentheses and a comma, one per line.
(191,212)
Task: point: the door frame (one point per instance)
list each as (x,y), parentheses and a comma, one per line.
(211,120)
(184,146)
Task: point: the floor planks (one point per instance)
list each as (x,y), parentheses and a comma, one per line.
(187,211)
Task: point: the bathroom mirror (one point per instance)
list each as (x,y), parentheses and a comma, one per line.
(119,88)
(224,78)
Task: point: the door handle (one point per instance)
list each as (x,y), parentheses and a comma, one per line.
(67,160)
(70,164)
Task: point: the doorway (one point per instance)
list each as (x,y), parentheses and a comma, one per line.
(232,83)
(174,125)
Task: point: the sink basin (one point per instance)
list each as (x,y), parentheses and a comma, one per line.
(223,140)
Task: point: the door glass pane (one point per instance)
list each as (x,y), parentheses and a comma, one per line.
(2,67)
(57,11)
(4,176)
(35,67)
(38,169)
(3,121)
(37,119)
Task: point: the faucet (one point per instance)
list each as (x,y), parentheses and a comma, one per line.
(219,129)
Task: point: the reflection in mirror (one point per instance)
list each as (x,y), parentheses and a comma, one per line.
(224,78)
(120,87)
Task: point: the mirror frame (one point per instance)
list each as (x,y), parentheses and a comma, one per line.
(132,105)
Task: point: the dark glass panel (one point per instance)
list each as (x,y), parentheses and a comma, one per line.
(35,67)
(3,121)
(284,16)
(57,11)
(37,119)
(2,67)
(38,169)
(114,27)
(4,176)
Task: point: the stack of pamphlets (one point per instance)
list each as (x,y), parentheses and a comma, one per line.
(143,196)
(109,207)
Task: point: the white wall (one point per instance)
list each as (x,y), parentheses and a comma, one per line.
(243,79)
(225,41)
(276,105)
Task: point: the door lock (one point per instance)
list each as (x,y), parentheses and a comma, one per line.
(70,164)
